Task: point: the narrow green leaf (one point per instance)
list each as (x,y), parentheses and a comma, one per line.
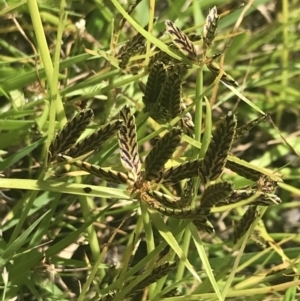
(170,239)
(19,242)
(17,156)
(63,187)
(205,261)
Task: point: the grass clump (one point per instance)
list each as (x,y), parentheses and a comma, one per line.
(129,172)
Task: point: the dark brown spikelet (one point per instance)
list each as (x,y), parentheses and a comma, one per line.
(210,27)
(259,239)
(161,57)
(267,199)
(194,37)
(215,193)
(187,194)
(185,170)
(203,225)
(128,144)
(157,273)
(156,79)
(95,140)
(237,196)
(244,171)
(168,103)
(219,147)
(163,95)
(181,41)
(187,123)
(214,56)
(172,88)
(125,57)
(262,199)
(182,213)
(70,133)
(242,226)
(178,67)
(105,174)
(225,78)
(161,153)
(199,215)
(266,184)
(163,199)
(246,128)
(167,60)
(132,47)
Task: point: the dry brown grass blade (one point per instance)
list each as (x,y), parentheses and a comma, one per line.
(95,140)
(128,144)
(164,199)
(181,40)
(70,133)
(244,171)
(156,79)
(219,147)
(225,78)
(246,128)
(185,170)
(215,193)
(210,27)
(157,273)
(242,226)
(161,153)
(103,173)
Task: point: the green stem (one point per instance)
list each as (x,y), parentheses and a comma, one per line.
(149,236)
(41,38)
(199,105)
(150,26)
(56,103)
(284,55)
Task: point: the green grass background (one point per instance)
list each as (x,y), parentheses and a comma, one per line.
(56,240)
